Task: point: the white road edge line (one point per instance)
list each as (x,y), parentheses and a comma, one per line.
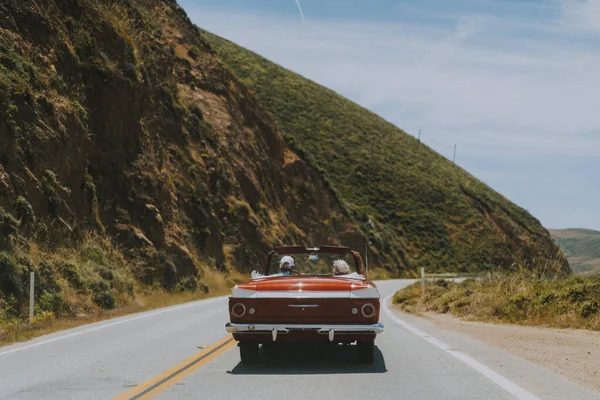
(484,370)
(146,314)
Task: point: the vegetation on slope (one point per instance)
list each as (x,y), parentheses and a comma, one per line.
(524,298)
(131,158)
(581,247)
(426,210)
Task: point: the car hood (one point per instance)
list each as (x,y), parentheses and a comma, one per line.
(306,287)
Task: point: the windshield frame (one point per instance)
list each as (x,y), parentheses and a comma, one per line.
(292,250)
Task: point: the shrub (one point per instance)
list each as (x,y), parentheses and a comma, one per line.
(52,302)
(25,211)
(13,276)
(8,224)
(105,300)
(187,283)
(71,272)
(588,308)
(102,295)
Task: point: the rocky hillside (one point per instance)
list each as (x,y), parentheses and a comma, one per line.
(426,210)
(129,153)
(582,248)
(131,156)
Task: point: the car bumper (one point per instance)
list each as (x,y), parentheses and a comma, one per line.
(333,331)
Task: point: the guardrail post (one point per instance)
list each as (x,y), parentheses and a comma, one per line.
(422,281)
(31,293)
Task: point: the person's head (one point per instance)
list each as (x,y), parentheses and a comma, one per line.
(286,263)
(340,267)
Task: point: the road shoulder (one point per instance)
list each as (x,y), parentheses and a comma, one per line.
(536,378)
(571,353)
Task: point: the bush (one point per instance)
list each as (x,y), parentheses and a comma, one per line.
(102,295)
(71,272)
(52,302)
(105,300)
(25,211)
(187,283)
(8,224)
(13,276)
(588,308)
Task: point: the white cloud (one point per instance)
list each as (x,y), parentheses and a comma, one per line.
(498,95)
(494,97)
(582,14)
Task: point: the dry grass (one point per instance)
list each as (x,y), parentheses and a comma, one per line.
(149,299)
(525,299)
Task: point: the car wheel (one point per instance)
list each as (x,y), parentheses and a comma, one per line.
(249,353)
(366,352)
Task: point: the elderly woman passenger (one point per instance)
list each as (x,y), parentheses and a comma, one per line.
(340,267)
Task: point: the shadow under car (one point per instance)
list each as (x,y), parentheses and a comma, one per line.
(298,359)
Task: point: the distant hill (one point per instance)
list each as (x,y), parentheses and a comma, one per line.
(427,211)
(581,246)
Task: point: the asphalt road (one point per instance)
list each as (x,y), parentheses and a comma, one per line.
(183,352)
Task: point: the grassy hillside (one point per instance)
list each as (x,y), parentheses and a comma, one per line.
(426,210)
(581,246)
(131,159)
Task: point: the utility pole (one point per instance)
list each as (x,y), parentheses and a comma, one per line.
(454,158)
(419,140)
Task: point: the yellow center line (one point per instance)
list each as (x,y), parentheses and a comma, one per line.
(165,380)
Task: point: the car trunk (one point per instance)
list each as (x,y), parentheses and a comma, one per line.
(303,299)
(303,309)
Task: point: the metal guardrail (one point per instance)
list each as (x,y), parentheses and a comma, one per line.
(457,275)
(453,275)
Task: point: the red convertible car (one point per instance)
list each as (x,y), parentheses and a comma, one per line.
(318,294)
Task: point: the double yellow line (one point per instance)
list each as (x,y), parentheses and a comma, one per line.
(165,380)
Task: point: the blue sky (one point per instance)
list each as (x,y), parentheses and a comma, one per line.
(514,84)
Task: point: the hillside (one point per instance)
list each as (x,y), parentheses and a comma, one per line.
(426,210)
(131,158)
(581,246)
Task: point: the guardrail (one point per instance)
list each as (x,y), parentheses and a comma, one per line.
(451,275)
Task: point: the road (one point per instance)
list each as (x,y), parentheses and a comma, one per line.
(183,352)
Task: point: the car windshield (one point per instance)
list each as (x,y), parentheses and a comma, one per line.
(321,264)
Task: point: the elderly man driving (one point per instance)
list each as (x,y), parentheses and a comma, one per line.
(286,265)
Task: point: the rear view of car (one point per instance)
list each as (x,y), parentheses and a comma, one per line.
(301,297)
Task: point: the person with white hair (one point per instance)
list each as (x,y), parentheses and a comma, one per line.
(340,267)
(286,264)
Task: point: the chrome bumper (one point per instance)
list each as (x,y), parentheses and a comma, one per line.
(282,329)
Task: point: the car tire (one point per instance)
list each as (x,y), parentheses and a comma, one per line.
(249,353)
(366,352)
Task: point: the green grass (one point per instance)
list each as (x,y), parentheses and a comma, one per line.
(582,248)
(517,298)
(427,211)
(87,283)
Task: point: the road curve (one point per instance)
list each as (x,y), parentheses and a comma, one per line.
(183,352)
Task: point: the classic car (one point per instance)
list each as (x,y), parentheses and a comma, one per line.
(309,303)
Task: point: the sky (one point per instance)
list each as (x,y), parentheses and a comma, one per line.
(514,84)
